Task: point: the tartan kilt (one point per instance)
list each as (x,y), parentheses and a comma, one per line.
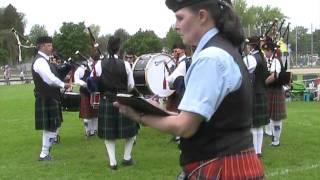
(48,114)
(86,110)
(276,104)
(243,165)
(260,107)
(113,125)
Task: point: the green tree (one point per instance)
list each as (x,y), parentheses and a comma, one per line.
(122,34)
(103,41)
(95,29)
(172,37)
(144,42)
(303,39)
(37,31)
(72,38)
(10,18)
(256,19)
(316,42)
(3,56)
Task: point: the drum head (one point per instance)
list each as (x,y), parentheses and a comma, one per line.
(156,74)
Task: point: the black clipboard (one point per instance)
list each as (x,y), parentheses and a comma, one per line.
(140,104)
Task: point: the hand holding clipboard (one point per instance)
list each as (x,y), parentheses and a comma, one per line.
(140,104)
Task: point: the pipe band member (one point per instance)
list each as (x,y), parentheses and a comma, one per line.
(48,112)
(216,108)
(116,76)
(87,112)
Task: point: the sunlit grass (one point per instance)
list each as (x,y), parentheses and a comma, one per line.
(156,157)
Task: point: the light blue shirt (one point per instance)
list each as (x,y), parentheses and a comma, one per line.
(212,75)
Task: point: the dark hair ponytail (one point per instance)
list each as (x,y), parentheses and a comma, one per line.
(227,21)
(113,46)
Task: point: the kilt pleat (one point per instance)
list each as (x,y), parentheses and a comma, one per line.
(113,125)
(276,104)
(48,114)
(86,110)
(260,107)
(244,165)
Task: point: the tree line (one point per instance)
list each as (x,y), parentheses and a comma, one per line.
(72,37)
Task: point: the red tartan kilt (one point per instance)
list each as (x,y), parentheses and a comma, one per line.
(276,104)
(86,110)
(244,165)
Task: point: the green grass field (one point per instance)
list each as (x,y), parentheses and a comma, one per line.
(156,158)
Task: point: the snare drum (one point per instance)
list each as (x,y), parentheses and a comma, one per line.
(95,100)
(150,74)
(70,101)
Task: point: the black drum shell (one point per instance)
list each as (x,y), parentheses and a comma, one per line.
(70,101)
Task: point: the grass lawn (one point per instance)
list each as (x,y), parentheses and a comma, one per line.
(156,158)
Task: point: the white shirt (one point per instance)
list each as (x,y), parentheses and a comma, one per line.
(179,71)
(250,62)
(275,66)
(42,67)
(78,74)
(129,71)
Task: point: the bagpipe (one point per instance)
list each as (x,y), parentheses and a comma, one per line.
(27,44)
(93,83)
(280,37)
(69,100)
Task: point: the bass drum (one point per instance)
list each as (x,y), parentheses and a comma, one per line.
(150,74)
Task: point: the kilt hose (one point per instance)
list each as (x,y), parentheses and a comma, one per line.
(260,108)
(111,124)
(48,114)
(243,165)
(86,110)
(276,104)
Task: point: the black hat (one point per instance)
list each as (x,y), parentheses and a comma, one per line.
(175,5)
(44,39)
(269,45)
(253,40)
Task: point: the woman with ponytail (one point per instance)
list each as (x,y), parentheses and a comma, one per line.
(116,76)
(216,110)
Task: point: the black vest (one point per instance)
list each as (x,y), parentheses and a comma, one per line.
(85,90)
(114,76)
(260,74)
(228,130)
(41,88)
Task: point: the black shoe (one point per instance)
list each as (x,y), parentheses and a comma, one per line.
(259,155)
(113,167)
(46,158)
(89,135)
(129,162)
